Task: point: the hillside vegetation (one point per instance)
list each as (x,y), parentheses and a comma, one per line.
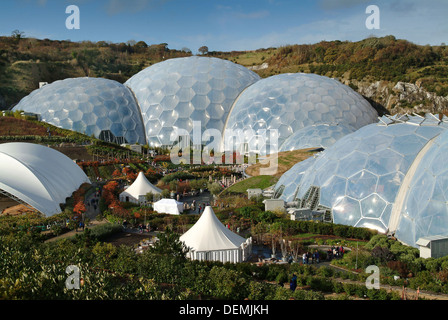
(371,66)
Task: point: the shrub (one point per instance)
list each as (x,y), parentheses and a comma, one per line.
(102,232)
(228,284)
(260,290)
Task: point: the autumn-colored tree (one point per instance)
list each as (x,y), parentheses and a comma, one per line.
(109,192)
(116,173)
(150,171)
(132,176)
(203,50)
(79,208)
(126,171)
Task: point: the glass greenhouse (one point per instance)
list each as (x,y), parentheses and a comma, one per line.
(315,136)
(174,93)
(290,102)
(102,107)
(287,186)
(358,178)
(424,211)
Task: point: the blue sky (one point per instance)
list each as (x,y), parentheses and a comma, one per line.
(226,24)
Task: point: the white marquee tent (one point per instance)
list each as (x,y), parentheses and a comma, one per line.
(39,176)
(209,239)
(137,191)
(170,206)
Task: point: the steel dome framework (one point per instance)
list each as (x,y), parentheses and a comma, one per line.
(360,176)
(94,106)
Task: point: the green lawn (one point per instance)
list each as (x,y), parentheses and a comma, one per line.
(252,182)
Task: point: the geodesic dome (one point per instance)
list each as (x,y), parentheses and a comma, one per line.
(102,107)
(39,176)
(424,211)
(358,177)
(315,136)
(286,187)
(174,93)
(292,101)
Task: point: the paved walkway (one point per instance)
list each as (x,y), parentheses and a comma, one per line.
(72,233)
(92,211)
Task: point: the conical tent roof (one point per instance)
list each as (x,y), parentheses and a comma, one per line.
(208,234)
(140,187)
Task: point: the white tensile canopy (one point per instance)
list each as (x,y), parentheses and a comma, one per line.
(170,206)
(137,191)
(39,176)
(209,239)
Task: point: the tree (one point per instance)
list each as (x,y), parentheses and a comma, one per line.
(141,44)
(79,208)
(203,50)
(149,197)
(169,244)
(116,173)
(165,193)
(186,50)
(215,188)
(17,34)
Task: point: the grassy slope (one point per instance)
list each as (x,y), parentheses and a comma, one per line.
(285,161)
(253,182)
(26,62)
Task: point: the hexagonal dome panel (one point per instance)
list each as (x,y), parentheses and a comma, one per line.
(300,100)
(315,136)
(88,105)
(200,83)
(364,170)
(424,212)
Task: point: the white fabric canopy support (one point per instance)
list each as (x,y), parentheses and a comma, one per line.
(140,187)
(169,206)
(209,239)
(40,176)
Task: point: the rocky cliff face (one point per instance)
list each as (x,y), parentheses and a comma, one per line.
(400,97)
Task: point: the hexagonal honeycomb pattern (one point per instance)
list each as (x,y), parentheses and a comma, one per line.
(315,136)
(359,176)
(286,188)
(174,93)
(88,105)
(290,102)
(425,211)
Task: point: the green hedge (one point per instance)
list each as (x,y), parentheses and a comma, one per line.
(292,227)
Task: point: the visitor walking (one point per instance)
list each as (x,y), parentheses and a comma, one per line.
(304,258)
(293,283)
(316,256)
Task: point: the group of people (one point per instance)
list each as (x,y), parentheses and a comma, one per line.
(335,252)
(314,256)
(141,227)
(198,208)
